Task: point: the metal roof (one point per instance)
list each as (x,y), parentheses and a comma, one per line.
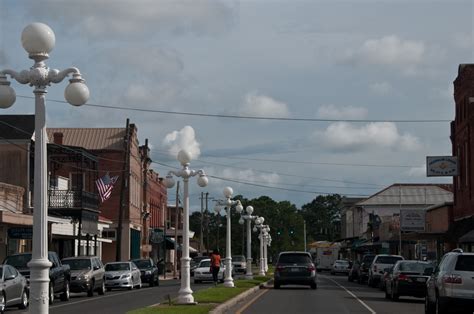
(413,194)
(91,138)
(17,127)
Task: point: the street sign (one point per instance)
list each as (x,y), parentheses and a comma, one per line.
(441,166)
(412,220)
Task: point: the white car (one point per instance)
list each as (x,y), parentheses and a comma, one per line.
(340,266)
(203,272)
(380,262)
(122,275)
(451,285)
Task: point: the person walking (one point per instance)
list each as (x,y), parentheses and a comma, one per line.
(215,265)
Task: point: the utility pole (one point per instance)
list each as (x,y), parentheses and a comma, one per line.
(176,226)
(125,174)
(201,238)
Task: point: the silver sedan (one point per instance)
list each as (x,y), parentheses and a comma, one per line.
(13,288)
(122,275)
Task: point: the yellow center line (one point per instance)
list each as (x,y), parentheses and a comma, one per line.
(251,301)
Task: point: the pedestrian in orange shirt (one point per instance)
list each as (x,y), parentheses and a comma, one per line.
(215,265)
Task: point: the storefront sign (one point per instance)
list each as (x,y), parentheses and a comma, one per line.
(412,220)
(20,233)
(441,166)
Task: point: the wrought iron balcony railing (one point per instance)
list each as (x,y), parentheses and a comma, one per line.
(71,199)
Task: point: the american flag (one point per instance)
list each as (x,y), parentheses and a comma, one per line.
(105,186)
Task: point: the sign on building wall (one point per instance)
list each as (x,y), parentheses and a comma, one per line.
(412,220)
(441,166)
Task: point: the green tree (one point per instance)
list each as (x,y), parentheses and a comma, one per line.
(323,217)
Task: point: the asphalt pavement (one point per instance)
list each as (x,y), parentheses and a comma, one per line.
(335,295)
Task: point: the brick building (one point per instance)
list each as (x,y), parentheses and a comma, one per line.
(462,138)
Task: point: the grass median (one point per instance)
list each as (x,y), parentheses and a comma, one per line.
(207,298)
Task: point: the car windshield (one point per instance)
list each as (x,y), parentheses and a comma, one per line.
(294,259)
(368,259)
(465,263)
(238,258)
(205,264)
(414,267)
(18,261)
(78,264)
(117,267)
(388,259)
(142,263)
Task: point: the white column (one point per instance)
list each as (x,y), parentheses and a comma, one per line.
(265,256)
(185,294)
(249,274)
(262,270)
(228,280)
(39,264)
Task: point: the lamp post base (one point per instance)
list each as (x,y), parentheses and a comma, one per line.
(185,297)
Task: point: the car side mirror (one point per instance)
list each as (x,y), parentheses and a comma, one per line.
(9,277)
(428,271)
(96,267)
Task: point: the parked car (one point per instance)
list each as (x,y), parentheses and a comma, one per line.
(378,265)
(13,288)
(451,285)
(408,278)
(340,266)
(295,268)
(87,274)
(203,272)
(239,264)
(59,274)
(353,273)
(148,271)
(195,263)
(364,267)
(119,275)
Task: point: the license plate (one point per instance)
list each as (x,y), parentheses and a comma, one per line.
(294,269)
(420,279)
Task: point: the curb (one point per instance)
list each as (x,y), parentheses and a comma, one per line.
(221,308)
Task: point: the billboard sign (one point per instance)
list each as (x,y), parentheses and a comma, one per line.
(441,166)
(412,220)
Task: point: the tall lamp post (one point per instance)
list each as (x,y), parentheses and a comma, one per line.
(185,294)
(228,203)
(38,40)
(260,226)
(268,242)
(248,218)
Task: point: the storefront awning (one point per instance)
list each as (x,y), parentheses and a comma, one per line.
(467,238)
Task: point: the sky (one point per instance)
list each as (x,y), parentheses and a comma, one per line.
(370,60)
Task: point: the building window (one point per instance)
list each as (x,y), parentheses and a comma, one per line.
(109,234)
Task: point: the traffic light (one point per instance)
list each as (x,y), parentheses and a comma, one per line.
(278,232)
(292,231)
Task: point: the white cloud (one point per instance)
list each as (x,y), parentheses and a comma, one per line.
(263,106)
(464,40)
(182,139)
(247,175)
(381,88)
(419,172)
(391,51)
(345,112)
(140,18)
(344,137)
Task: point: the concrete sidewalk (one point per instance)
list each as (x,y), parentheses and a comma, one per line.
(169,276)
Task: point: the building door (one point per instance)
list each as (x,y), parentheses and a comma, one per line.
(134,243)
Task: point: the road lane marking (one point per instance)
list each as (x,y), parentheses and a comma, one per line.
(239,311)
(353,295)
(93,299)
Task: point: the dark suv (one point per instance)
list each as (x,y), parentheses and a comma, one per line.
(295,268)
(364,267)
(87,274)
(148,271)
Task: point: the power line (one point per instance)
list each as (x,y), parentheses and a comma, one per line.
(228,116)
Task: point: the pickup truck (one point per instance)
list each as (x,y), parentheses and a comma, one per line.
(59,274)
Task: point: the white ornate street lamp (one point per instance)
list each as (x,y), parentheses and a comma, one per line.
(248,218)
(268,241)
(263,236)
(38,40)
(228,203)
(185,294)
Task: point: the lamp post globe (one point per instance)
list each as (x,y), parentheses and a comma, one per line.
(38,39)
(228,191)
(249,210)
(169,181)
(202,181)
(184,157)
(7,96)
(76,93)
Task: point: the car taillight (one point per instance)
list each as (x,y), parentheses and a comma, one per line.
(279,268)
(402,277)
(452,279)
(311,268)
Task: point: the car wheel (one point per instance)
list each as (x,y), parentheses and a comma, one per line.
(90,292)
(66,294)
(276,285)
(51,294)
(2,303)
(314,286)
(24,300)
(102,288)
(333,273)
(109,289)
(440,308)
(157,282)
(151,282)
(429,307)
(130,288)
(197,281)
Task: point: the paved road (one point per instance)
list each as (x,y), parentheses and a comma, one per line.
(335,295)
(116,301)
